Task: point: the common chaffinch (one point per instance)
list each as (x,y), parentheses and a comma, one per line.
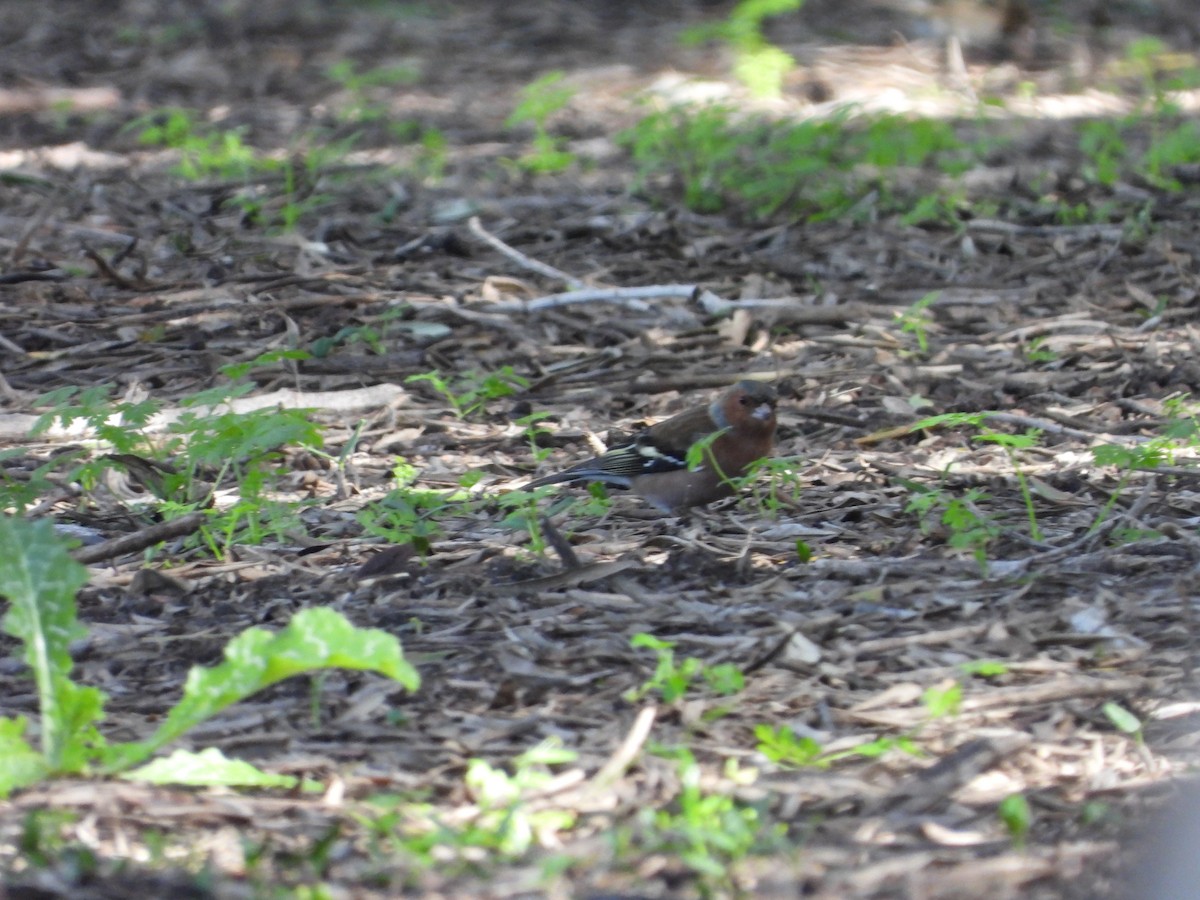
(654,461)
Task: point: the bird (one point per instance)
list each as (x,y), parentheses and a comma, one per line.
(734,431)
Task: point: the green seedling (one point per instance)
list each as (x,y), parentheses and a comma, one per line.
(938,209)
(522,514)
(916,320)
(506,822)
(782,473)
(1159,72)
(200,453)
(700,454)
(891,141)
(1128,460)
(510,815)
(1017,817)
(720,159)
(1154,139)
(984,668)
(820,169)
(535,434)
(594,504)
(1011,444)
(962,518)
(539,101)
(300,173)
(942,701)
(968,527)
(1184,425)
(380,332)
(1038,352)
(1095,812)
(432,147)
(672,679)
(776,482)
(783,746)
(204,151)
(40,580)
(370,89)
(1105,150)
(471,392)
(411,515)
(1123,720)
(1182,428)
(709,831)
(759,65)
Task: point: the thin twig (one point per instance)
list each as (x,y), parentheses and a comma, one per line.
(555,539)
(140,540)
(624,755)
(630,297)
(520,258)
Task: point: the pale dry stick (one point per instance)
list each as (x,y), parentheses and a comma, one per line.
(624,755)
(924,639)
(932,875)
(794,310)
(785,309)
(1007,699)
(1074,320)
(573,779)
(630,297)
(18,425)
(879,567)
(589,792)
(1177,471)
(1078,688)
(88,99)
(866,879)
(520,258)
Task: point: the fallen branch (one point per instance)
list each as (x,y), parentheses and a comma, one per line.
(140,540)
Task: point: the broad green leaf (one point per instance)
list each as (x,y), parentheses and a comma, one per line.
(642,640)
(984,668)
(942,701)
(1015,813)
(207,768)
(20,764)
(1122,719)
(40,579)
(315,639)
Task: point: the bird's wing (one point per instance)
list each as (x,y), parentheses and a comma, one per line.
(658,449)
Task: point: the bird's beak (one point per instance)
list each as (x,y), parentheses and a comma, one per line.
(763,412)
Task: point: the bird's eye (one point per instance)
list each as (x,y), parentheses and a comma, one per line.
(746,400)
